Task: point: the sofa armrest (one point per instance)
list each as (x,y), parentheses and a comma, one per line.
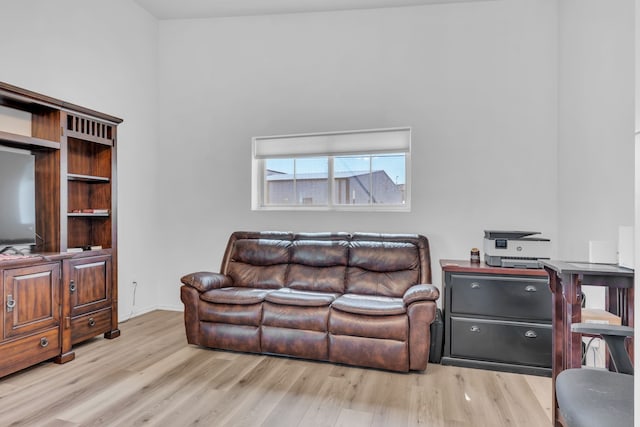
(421,292)
(204,281)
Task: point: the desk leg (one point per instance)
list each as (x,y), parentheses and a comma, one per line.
(557,344)
(629,296)
(619,301)
(572,314)
(567,348)
(625,311)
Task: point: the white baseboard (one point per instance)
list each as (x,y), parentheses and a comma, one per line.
(141,311)
(171,307)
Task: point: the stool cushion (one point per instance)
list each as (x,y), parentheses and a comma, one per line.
(595,398)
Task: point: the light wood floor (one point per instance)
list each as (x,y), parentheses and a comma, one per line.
(151,376)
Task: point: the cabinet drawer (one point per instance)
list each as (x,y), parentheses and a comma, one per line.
(508,342)
(89,325)
(24,352)
(511,297)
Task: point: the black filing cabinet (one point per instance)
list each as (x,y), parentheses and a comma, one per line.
(497,318)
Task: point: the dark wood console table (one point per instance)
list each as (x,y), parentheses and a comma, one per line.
(566,280)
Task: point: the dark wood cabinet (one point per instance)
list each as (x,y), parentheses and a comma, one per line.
(31,308)
(65,291)
(91,302)
(497,318)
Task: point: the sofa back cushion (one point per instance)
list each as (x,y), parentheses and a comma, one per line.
(361,263)
(382,268)
(259,263)
(318,265)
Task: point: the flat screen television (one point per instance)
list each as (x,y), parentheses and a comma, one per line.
(17,198)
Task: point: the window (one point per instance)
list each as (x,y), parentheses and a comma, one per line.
(365,170)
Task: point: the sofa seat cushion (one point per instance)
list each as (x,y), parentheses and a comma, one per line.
(288,296)
(369,305)
(235,295)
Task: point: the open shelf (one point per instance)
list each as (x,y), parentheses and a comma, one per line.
(87,178)
(89,230)
(22,141)
(89,215)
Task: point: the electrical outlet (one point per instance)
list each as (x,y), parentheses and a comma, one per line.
(134,284)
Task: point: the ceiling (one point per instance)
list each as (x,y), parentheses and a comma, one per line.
(189,9)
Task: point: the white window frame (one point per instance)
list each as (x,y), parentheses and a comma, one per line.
(371,142)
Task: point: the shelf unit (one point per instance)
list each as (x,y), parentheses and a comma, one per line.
(75,169)
(90,169)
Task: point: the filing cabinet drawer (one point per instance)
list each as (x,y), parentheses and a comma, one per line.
(508,342)
(499,296)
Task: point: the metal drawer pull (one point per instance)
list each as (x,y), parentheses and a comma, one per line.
(92,322)
(11,303)
(72,286)
(531,334)
(44,342)
(475,285)
(474,328)
(531,288)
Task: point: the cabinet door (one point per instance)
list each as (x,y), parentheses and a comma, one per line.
(31,299)
(89,282)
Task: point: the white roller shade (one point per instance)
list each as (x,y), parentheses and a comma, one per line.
(396,140)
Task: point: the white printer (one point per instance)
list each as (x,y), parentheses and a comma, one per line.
(515,249)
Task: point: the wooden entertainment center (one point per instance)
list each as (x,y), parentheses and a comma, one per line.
(65,291)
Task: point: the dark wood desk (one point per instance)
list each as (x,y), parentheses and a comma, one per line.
(566,280)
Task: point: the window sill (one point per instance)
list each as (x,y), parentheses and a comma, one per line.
(361,208)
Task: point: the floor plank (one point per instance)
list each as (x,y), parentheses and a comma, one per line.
(151,376)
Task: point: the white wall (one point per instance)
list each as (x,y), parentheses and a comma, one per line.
(596,122)
(476,81)
(596,125)
(100,55)
(479,83)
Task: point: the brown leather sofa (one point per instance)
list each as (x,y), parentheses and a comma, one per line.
(359,299)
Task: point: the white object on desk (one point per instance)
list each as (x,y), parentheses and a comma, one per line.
(602,252)
(625,246)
